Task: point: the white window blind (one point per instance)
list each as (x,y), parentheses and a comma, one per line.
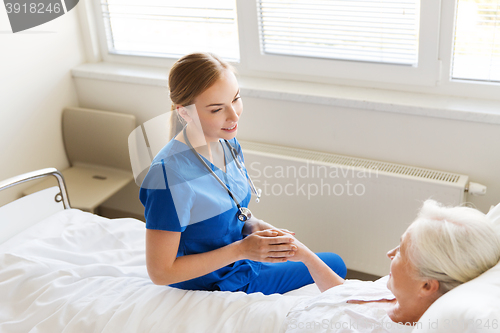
(171,28)
(476,52)
(382,31)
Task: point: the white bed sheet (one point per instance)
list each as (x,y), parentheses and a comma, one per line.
(330,311)
(78,272)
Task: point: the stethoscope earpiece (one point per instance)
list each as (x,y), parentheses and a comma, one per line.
(258,193)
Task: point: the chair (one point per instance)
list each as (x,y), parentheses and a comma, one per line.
(96,144)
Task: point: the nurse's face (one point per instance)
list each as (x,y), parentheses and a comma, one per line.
(219,108)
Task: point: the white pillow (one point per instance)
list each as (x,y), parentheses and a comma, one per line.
(471,307)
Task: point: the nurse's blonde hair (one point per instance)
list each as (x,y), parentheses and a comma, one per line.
(452,244)
(190,76)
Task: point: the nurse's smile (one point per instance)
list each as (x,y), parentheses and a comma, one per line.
(231,129)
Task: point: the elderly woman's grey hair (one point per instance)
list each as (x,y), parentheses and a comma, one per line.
(452,244)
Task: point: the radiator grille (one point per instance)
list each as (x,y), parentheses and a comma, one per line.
(348,161)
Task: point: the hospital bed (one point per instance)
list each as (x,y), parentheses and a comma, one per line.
(65,270)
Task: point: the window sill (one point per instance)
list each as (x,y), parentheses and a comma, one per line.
(448,107)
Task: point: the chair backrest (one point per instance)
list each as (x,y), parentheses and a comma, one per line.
(97,137)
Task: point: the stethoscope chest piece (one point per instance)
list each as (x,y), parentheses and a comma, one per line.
(244,214)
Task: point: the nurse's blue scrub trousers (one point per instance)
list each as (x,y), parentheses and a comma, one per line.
(286,276)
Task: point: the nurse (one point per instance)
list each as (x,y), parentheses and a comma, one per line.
(196,237)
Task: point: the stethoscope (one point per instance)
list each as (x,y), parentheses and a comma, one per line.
(244,213)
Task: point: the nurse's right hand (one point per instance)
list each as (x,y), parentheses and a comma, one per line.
(267,246)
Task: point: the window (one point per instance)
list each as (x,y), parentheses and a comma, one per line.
(171,28)
(359,30)
(257,56)
(434,46)
(476,52)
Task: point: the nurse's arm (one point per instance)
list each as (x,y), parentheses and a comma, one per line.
(164,267)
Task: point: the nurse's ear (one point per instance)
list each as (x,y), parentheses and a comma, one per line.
(182,111)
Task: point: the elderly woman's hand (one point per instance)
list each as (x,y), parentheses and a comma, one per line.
(302,252)
(323,275)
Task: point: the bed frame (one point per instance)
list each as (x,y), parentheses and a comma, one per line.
(475,304)
(26,211)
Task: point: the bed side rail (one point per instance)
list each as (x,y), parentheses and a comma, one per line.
(16,180)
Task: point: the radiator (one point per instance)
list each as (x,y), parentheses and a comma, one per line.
(355,207)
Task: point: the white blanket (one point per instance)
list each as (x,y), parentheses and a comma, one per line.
(331,312)
(78,272)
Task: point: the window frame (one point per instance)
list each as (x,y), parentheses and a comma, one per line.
(436,77)
(424,74)
(121,58)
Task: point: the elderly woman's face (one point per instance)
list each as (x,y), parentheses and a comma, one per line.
(403,279)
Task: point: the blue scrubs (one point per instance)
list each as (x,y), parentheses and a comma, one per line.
(179,194)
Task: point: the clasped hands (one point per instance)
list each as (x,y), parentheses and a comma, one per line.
(266,243)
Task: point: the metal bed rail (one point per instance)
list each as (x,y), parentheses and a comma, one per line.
(16,180)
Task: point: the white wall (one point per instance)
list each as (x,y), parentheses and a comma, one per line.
(35,84)
(464,147)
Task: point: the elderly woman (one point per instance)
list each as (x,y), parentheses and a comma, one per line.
(443,248)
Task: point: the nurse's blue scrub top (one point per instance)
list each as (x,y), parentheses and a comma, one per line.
(180,194)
